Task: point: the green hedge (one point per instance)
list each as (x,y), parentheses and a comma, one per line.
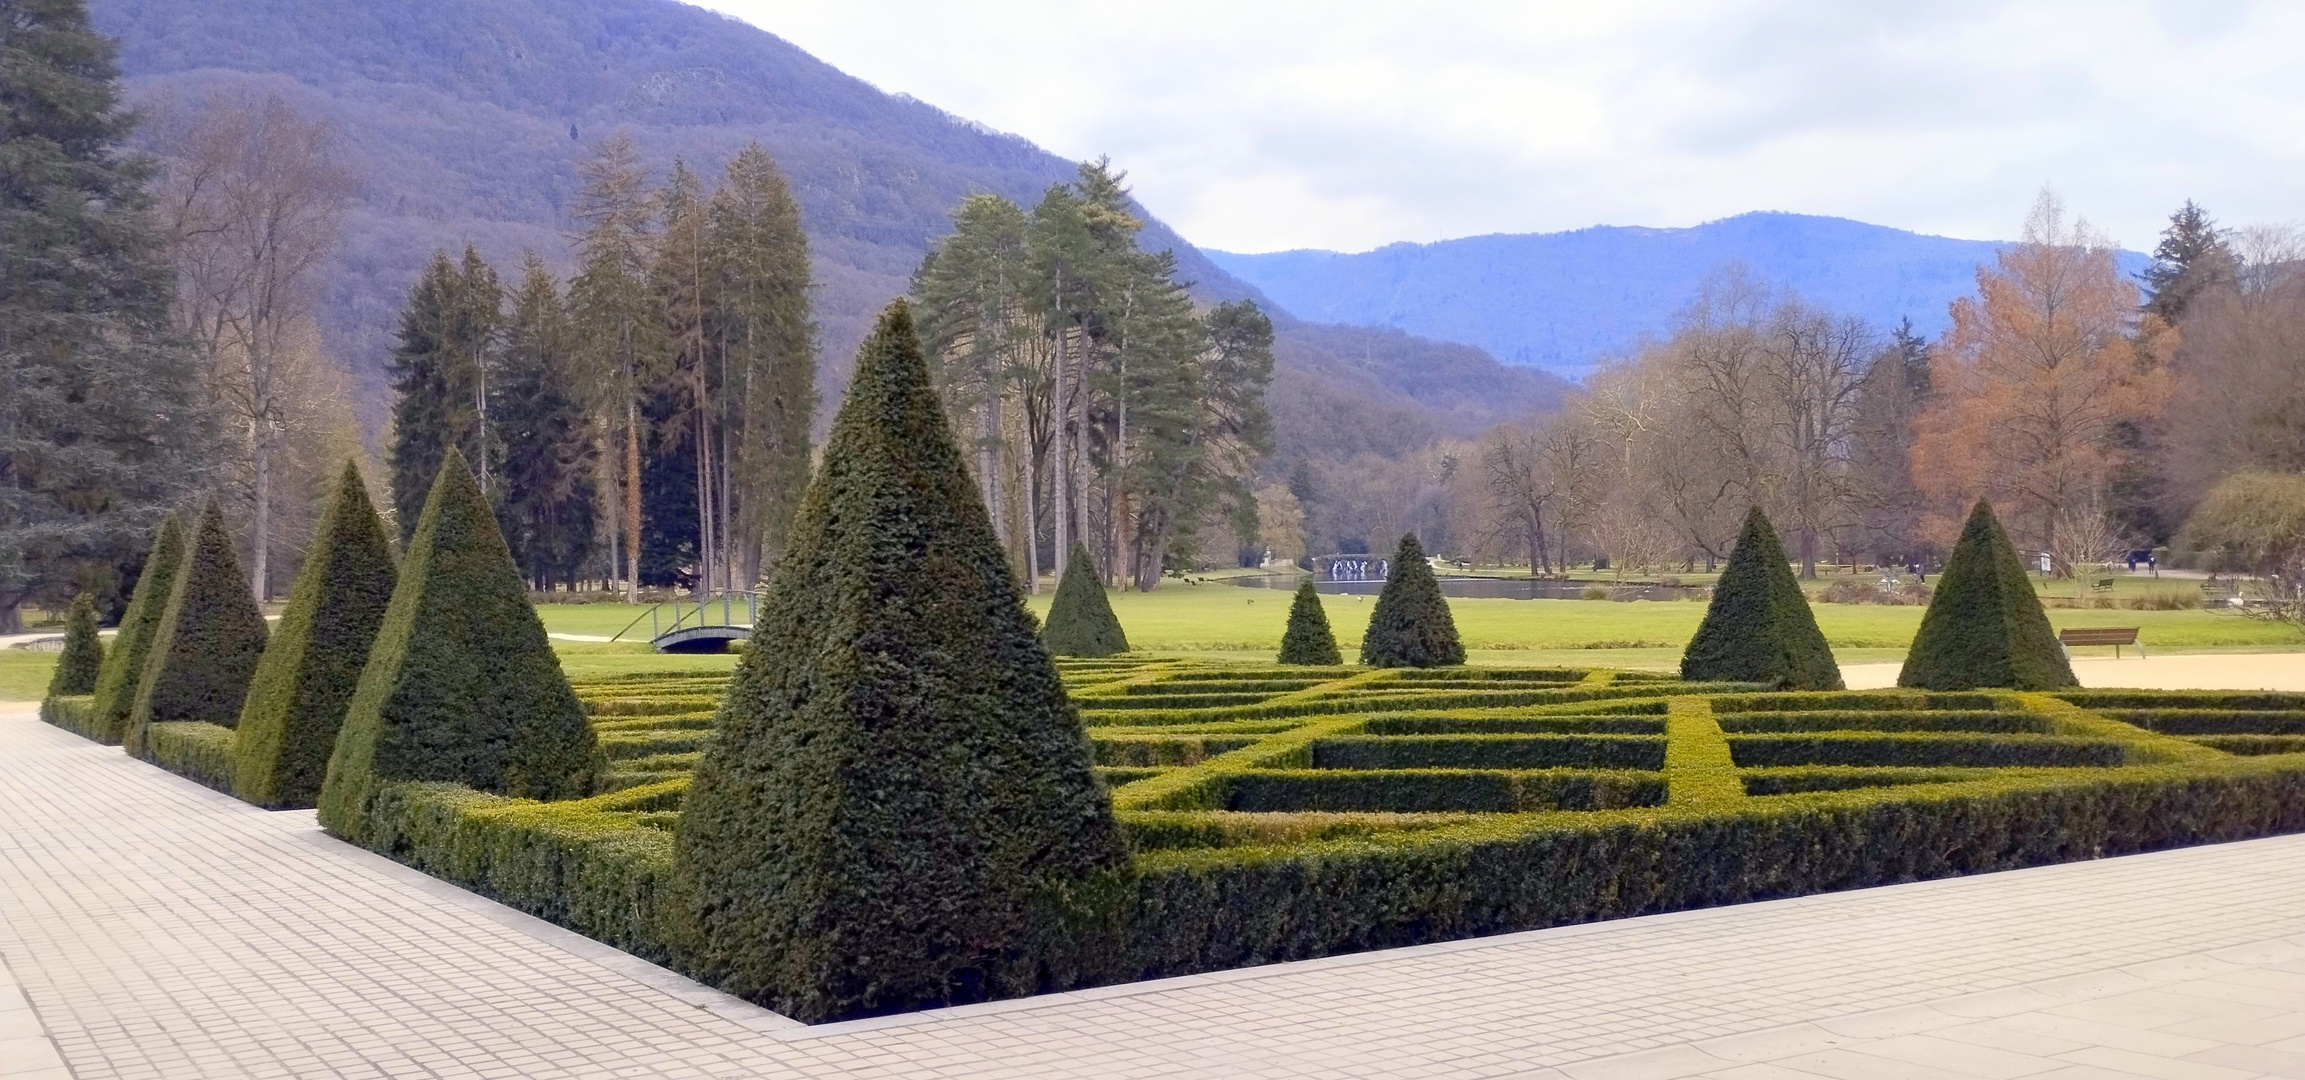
(2253,745)
(1490,752)
(195,750)
(2008,722)
(1906,700)
(1454,724)
(2214,721)
(1799,780)
(1762,751)
(1431,790)
(1163,749)
(76,714)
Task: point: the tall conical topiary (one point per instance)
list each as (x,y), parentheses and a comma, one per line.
(462,685)
(123,666)
(1080,619)
(898,809)
(1411,626)
(204,651)
(1985,626)
(305,682)
(1759,627)
(1308,640)
(83,655)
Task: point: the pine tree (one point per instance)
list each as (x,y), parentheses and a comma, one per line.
(1759,627)
(621,343)
(546,498)
(1080,619)
(208,642)
(102,420)
(83,654)
(123,669)
(1308,639)
(1411,626)
(462,685)
(2192,256)
(441,375)
(304,683)
(900,798)
(765,353)
(1985,625)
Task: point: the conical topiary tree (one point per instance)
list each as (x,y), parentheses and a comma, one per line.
(462,685)
(83,655)
(1759,627)
(1308,640)
(899,805)
(209,639)
(1985,626)
(1411,626)
(123,668)
(1080,619)
(296,705)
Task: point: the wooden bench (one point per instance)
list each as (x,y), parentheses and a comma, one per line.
(2116,636)
(2102,585)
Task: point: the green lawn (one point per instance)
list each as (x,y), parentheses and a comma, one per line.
(24,674)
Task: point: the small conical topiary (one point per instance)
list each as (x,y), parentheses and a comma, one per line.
(1985,626)
(83,655)
(462,685)
(1308,640)
(204,651)
(296,705)
(1759,627)
(1080,619)
(899,807)
(123,666)
(1411,626)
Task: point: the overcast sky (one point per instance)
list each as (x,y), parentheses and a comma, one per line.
(1262,126)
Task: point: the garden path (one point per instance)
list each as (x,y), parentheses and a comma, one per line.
(161,930)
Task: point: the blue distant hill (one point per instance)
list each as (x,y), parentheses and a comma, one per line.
(1566,301)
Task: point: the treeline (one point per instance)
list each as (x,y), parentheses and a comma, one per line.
(1099,406)
(649,424)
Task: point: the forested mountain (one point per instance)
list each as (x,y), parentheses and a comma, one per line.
(1564,301)
(466,120)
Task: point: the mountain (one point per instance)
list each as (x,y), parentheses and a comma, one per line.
(1567,301)
(467,119)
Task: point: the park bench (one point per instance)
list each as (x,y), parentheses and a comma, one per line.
(2116,636)
(2102,585)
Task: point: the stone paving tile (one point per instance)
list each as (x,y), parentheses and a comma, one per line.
(159,929)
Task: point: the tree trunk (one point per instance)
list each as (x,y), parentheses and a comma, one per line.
(1060,478)
(1031,522)
(1808,553)
(632,501)
(260,451)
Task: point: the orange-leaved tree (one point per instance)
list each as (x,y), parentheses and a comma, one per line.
(2037,384)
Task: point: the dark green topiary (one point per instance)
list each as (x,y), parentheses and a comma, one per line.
(1080,619)
(1411,626)
(1308,640)
(1759,627)
(898,809)
(83,656)
(296,705)
(1985,626)
(123,667)
(462,685)
(205,650)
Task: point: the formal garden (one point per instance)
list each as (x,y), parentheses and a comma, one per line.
(910,792)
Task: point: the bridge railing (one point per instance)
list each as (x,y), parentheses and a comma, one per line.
(733,608)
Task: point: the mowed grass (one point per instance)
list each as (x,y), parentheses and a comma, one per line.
(24,674)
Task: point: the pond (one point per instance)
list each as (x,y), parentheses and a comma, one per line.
(1484,588)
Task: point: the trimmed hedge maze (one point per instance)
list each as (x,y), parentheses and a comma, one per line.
(1280,813)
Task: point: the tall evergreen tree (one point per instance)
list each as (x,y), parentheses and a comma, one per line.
(546,498)
(123,667)
(210,637)
(440,371)
(1308,639)
(1759,627)
(2191,257)
(618,318)
(1411,626)
(899,800)
(763,356)
(83,654)
(102,422)
(1080,619)
(1985,625)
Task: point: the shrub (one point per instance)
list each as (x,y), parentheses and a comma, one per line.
(123,669)
(304,683)
(1411,626)
(199,752)
(1985,627)
(1759,627)
(899,809)
(1080,619)
(1308,639)
(209,639)
(461,686)
(83,656)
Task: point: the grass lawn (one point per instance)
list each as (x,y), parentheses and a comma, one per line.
(24,674)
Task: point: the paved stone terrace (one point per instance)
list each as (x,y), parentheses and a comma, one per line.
(161,930)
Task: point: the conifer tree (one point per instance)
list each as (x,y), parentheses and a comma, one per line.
(1759,627)
(2193,256)
(83,654)
(621,340)
(546,498)
(758,267)
(441,376)
(210,637)
(1985,625)
(304,683)
(103,423)
(1308,639)
(1411,626)
(899,797)
(1080,619)
(123,669)
(462,685)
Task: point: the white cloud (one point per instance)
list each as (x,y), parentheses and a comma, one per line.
(1263,126)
